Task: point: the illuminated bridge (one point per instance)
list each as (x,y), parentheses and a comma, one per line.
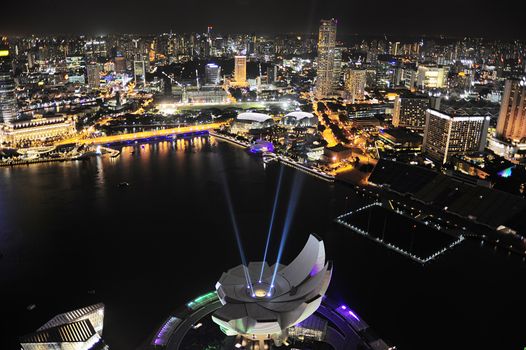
(141,135)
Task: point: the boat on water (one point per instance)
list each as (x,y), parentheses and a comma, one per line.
(124,185)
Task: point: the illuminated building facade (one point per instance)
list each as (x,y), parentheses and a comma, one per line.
(432,77)
(212,74)
(93,74)
(27,132)
(79,329)
(7,85)
(206,94)
(337,70)
(326,59)
(410,111)
(247,122)
(299,119)
(240,70)
(355,81)
(511,124)
(262,309)
(120,64)
(139,71)
(446,135)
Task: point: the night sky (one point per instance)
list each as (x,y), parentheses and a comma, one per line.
(370,17)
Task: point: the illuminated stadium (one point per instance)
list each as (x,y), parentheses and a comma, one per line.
(299,119)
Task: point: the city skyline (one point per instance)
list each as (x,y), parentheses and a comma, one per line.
(173,179)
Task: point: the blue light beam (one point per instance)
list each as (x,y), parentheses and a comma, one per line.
(276,197)
(293,201)
(236,232)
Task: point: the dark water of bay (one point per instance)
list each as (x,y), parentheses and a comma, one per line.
(70,236)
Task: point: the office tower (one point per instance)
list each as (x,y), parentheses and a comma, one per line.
(410,111)
(7,85)
(212,74)
(512,117)
(139,71)
(337,70)
(395,48)
(446,135)
(272,74)
(74,330)
(120,64)
(240,70)
(93,75)
(355,81)
(326,54)
(432,77)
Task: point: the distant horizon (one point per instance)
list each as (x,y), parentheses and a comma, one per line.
(263,33)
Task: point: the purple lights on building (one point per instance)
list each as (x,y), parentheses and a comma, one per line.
(346,312)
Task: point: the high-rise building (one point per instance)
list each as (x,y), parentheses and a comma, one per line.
(212,74)
(120,64)
(93,75)
(446,135)
(432,77)
(326,58)
(337,70)
(7,85)
(512,118)
(240,70)
(139,72)
(355,81)
(410,111)
(272,74)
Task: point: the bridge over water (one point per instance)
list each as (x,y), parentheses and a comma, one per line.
(103,140)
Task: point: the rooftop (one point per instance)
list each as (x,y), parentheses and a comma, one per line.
(300,115)
(256,117)
(483,205)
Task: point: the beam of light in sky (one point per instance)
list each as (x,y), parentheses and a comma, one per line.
(230,205)
(276,197)
(293,201)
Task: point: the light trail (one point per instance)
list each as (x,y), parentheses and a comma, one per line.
(276,197)
(293,201)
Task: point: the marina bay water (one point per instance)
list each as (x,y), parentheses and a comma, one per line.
(70,235)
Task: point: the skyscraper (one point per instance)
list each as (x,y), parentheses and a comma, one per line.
(93,74)
(7,85)
(446,135)
(355,80)
(337,70)
(139,72)
(326,58)
(240,70)
(410,111)
(272,74)
(212,74)
(512,118)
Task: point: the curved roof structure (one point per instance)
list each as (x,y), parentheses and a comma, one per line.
(256,117)
(299,115)
(271,305)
